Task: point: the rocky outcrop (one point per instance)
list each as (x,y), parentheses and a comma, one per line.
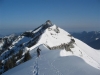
(65,46)
(48,22)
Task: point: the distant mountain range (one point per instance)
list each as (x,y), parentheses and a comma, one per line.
(91,38)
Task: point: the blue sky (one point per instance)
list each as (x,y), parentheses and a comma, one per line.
(71,15)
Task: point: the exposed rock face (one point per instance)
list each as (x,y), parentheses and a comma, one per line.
(70,45)
(48,22)
(57,30)
(63,46)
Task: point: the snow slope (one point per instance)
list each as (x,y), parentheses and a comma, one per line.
(51,63)
(56,60)
(90,55)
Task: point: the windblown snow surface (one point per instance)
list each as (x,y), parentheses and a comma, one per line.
(81,60)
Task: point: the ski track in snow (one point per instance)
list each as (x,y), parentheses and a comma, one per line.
(53,67)
(57,71)
(36,66)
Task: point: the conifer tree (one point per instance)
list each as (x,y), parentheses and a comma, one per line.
(27,56)
(20,54)
(13,60)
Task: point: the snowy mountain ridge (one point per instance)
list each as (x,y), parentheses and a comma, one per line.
(53,39)
(62,40)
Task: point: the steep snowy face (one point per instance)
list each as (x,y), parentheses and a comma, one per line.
(55,38)
(6,41)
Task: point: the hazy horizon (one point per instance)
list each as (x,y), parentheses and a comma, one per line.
(13,31)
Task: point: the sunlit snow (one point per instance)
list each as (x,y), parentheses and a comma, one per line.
(81,60)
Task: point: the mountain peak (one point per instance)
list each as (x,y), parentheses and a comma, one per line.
(48,22)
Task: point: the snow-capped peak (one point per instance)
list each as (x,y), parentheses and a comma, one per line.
(55,38)
(48,22)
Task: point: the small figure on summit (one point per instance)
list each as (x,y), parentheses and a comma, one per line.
(38,52)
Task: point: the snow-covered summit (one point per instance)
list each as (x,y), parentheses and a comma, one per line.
(63,41)
(55,38)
